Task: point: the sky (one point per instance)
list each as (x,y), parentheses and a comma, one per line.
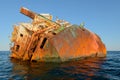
(100,16)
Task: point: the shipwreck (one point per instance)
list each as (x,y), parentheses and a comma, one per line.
(45,40)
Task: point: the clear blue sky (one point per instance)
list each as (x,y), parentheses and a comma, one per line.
(100,16)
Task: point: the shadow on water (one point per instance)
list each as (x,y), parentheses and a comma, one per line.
(75,70)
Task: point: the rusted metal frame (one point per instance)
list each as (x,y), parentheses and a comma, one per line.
(37,22)
(27,43)
(48,20)
(48,23)
(13,49)
(28,13)
(32,39)
(32,15)
(14,34)
(33,46)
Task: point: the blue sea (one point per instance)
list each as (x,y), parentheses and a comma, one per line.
(107,68)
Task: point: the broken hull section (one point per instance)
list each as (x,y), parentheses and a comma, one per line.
(72,43)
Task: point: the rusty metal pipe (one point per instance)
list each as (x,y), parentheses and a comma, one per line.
(27,12)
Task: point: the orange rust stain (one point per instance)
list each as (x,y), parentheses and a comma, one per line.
(83,45)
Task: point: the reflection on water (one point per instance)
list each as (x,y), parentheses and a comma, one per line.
(89,69)
(76,70)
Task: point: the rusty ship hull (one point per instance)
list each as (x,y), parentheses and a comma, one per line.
(54,42)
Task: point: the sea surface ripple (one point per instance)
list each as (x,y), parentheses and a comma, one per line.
(107,68)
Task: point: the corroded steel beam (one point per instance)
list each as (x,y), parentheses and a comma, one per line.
(27,12)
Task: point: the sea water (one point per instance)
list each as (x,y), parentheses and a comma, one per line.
(107,68)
